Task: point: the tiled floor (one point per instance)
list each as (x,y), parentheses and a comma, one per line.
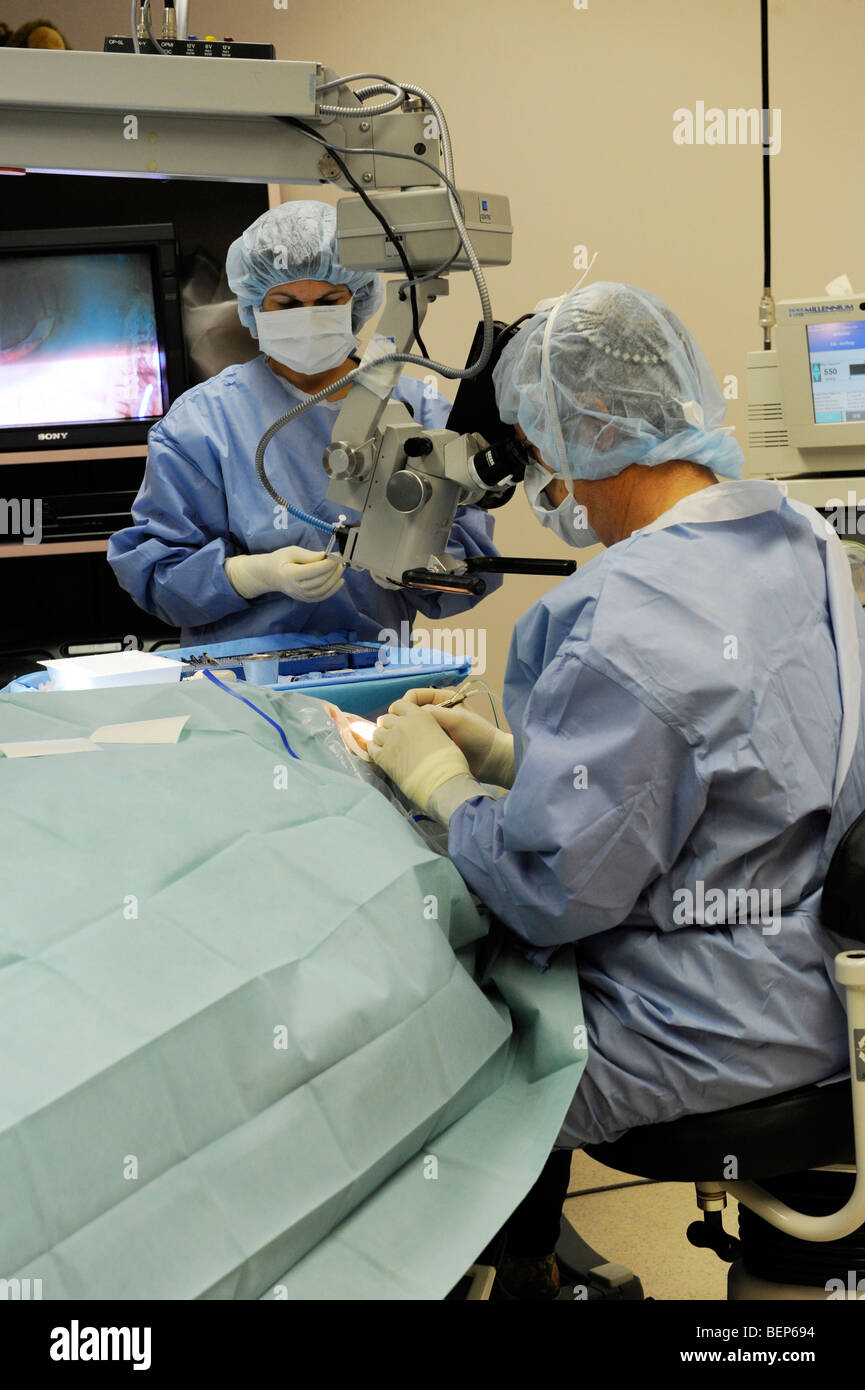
(644,1229)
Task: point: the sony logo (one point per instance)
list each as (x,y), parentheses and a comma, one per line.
(59,434)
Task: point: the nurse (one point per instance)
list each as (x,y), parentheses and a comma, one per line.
(688,743)
(208,551)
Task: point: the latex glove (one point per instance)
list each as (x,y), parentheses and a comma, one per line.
(306,575)
(382,582)
(488,751)
(418,756)
(427,695)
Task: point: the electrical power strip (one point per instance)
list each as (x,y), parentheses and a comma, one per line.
(193,48)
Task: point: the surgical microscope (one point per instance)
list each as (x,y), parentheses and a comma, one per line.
(407,483)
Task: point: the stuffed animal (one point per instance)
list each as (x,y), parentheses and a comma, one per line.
(37,33)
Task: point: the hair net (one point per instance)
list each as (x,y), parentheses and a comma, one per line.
(295,241)
(607,377)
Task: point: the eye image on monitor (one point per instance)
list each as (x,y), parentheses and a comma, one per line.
(79,339)
(837,355)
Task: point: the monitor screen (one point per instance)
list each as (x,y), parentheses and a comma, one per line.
(79,340)
(836,352)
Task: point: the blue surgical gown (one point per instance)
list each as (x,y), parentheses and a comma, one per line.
(201,501)
(676,712)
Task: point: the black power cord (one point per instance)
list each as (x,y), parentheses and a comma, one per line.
(767,186)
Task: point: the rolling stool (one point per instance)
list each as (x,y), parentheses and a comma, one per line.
(814,1249)
(787,1134)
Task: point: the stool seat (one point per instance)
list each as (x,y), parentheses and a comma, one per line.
(807,1128)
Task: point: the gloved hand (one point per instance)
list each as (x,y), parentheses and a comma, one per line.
(382,582)
(488,751)
(419,757)
(307,575)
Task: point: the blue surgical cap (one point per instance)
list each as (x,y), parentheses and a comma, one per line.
(609,376)
(295,241)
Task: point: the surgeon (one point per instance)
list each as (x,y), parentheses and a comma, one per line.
(208,550)
(687,741)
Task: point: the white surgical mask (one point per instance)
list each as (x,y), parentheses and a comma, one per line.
(569,520)
(308,339)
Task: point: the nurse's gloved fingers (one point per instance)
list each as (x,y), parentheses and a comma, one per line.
(319,582)
(299,555)
(330,591)
(332,581)
(316,592)
(318,595)
(303,583)
(313,571)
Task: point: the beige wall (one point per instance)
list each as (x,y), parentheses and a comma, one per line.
(569,112)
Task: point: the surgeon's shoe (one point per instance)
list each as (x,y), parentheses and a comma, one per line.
(528,1280)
